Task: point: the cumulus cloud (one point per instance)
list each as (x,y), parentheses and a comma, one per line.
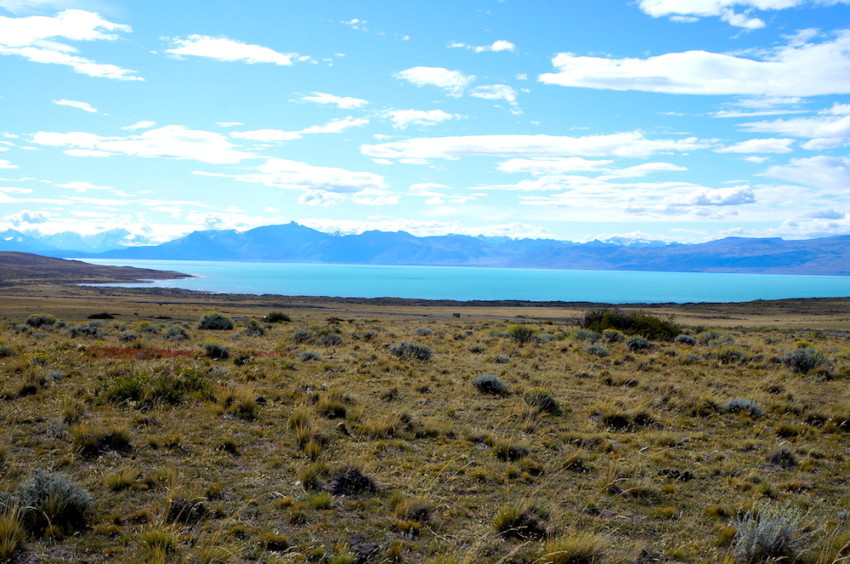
(343,102)
(278,135)
(36,38)
(86,107)
(759,146)
(336,125)
(451,82)
(495,92)
(801,68)
(828,130)
(6,164)
(27,218)
(629,144)
(544,166)
(831,173)
(228,50)
(139,125)
(319,198)
(372,197)
(423,118)
(692,10)
(168,142)
(495,47)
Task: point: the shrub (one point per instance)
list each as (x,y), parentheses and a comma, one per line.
(765,533)
(216,351)
(521,334)
(714,338)
(411,351)
(631,323)
(103,315)
(185,511)
(303,336)
(586,335)
(612,336)
(83,331)
(40,320)
(574,548)
(215,322)
(730,355)
(147,389)
(637,344)
(12,533)
(596,349)
(254,329)
(277,317)
(176,333)
(508,452)
(477,349)
(737,405)
(6,352)
(48,499)
(521,521)
(489,384)
(329,340)
(422,331)
(685,340)
(307,356)
(91,441)
(804,360)
(542,401)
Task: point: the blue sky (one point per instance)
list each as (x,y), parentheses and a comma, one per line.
(681,120)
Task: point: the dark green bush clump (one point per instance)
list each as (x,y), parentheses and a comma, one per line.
(738,405)
(215,322)
(807,359)
(185,511)
(40,320)
(730,354)
(254,329)
(48,499)
(277,317)
(6,352)
(489,384)
(542,401)
(216,351)
(637,344)
(349,480)
(521,334)
(685,340)
(147,389)
(596,349)
(102,315)
(411,351)
(521,522)
(176,333)
(631,323)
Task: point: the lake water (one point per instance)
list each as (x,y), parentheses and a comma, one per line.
(461,283)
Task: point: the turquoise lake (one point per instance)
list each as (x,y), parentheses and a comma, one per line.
(462,283)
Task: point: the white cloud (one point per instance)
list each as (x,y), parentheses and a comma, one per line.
(168,142)
(34,38)
(267,135)
(797,69)
(495,47)
(495,92)
(422,228)
(692,10)
(139,125)
(294,175)
(343,102)
(319,198)
(735,196)
(451,81)
(831,173)
(82,186)
(6,164)
(423,118)
(540,166)
(372,197)
(336,125)
(759,146)
(229,123)
(824,126)
(641,170)
(227,50)
(355,23)
(86,107)
(629,144)
(26,218)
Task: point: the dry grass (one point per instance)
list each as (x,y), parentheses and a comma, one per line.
(641,459)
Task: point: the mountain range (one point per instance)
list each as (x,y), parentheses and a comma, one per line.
(296,243)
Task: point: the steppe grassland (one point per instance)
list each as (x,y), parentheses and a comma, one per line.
(323,440)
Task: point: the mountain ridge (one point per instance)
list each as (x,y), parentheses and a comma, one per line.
(292,242)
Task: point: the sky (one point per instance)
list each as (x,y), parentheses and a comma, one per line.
(674,120)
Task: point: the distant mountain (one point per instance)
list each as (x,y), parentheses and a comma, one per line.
(295,243)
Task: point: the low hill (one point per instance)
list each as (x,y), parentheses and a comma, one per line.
(28,268)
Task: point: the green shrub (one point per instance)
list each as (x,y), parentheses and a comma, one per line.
(521,334)
(350,480)
(102,315)
(303,336)
(489,384)
(40,320)
(738,405)
(730,354)
(574,548)
(806,359)
(176,333)
(585,335)
(595,349)
(542,401)
(147,389)
(637,344)
(6,352)
(612,336)
(685,340)
(307,356)
(277,317)
(631,323)
(216,351)
(254,329)
(714,338)
(215,322)
(48,499)
(411,351)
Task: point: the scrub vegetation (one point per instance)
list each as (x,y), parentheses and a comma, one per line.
(297,436)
